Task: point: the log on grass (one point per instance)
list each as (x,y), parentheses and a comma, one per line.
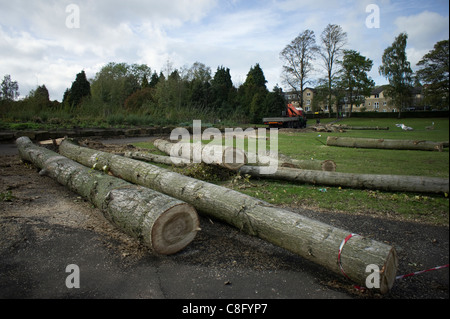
(313,240)
(392,183)
(316,165)
(166,225)
(367,128)
(384,143)
(228,157)
(149,157)
(285,161)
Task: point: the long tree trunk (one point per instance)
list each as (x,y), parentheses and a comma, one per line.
(164,224)
(393,183)
(313,240)
(149,157)
(228,157)
(384,144)
(286,161)
(365,128)
(319,165)
(316,165)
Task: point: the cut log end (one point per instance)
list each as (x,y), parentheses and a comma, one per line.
(329,166)
(175,229)
(389,272)
(233,158)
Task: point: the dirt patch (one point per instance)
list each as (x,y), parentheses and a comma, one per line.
(32,199)
(36,209)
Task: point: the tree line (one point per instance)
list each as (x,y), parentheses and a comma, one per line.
(136,92)
(170,96)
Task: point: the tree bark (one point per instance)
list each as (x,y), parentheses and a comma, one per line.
(392,183)
(384,144)
(313,240)
(228,157)
(149,157)
(285,161)
(166,225)
(315,165)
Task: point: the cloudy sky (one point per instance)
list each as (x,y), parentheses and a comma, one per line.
(50,41)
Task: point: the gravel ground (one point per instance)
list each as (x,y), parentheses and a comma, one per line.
(44,227)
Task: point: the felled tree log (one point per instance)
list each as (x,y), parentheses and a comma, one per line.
(228,157)
(316,165)
(149,157)
(285,161)
(367,128)
(384,144)
(164,224)
(393,183)
(313,240)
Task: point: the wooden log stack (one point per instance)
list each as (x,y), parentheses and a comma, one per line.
(313,240)
(165,224)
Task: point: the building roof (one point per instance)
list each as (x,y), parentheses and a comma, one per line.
(378,89)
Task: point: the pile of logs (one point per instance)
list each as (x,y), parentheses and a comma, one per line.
(157,205)
(308,238)
(319,172)
(165,224)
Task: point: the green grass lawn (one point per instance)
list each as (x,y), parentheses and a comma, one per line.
(375,161)
(306,145)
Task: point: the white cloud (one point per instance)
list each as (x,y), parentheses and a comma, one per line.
(36,47)
(424,29)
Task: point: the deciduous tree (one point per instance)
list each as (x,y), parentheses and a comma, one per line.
(333,40)
(397,69)
(354,77)
(297,57)
(9,89)
(434,74)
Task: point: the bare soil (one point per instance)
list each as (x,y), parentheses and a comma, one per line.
(44,227)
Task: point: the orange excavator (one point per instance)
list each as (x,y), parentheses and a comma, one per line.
(293,117)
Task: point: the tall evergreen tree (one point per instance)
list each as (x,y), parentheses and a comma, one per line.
(144,83)
(221,88)
(354,78)
(252,94)
(154,80)
(80,88)
(274,103)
